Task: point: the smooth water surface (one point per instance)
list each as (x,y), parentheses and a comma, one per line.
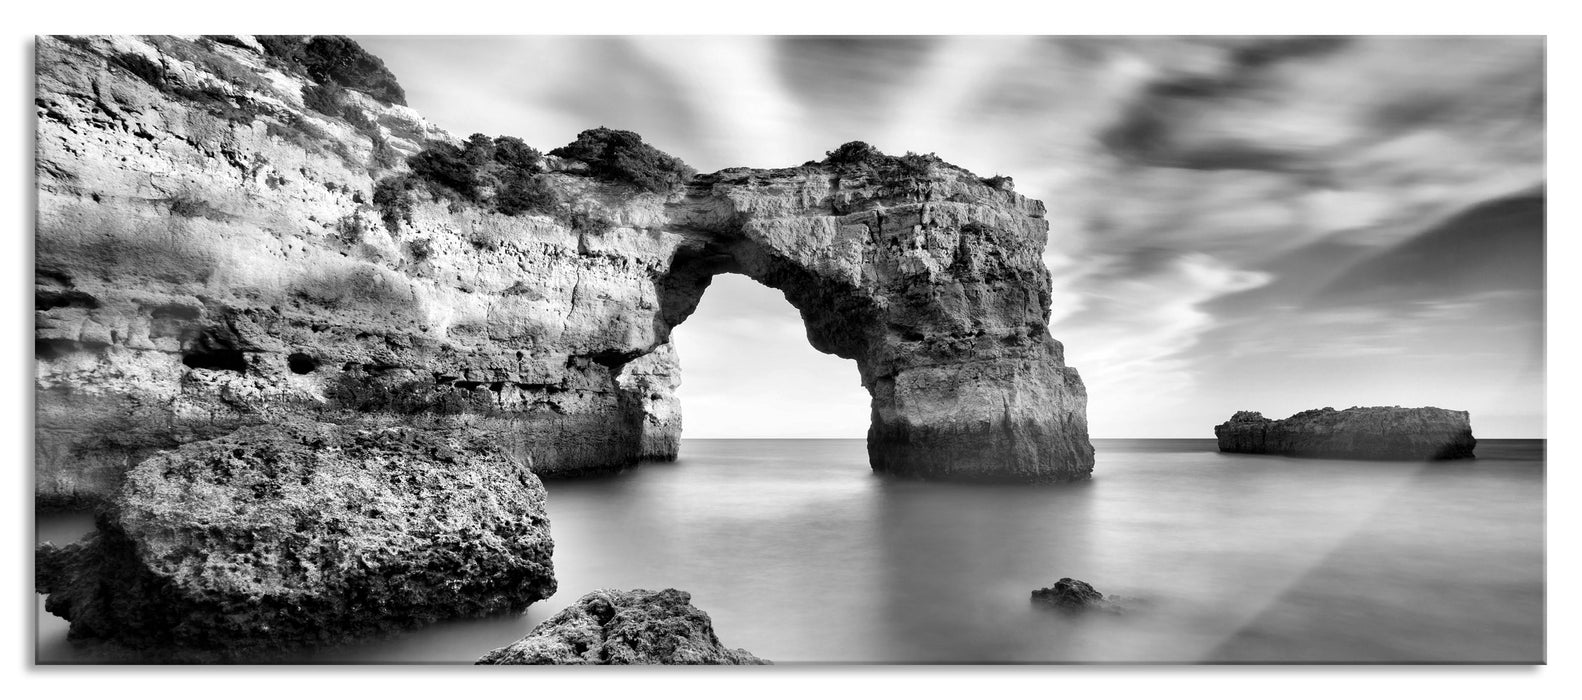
(800,553)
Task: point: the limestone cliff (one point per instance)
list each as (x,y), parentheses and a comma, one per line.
(210,255)
(1378,432)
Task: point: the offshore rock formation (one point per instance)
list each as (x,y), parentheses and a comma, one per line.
(1071,595)
(210,255)
(622,628)
(280,537)
(1378,432)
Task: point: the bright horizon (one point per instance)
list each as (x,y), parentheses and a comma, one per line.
(1276,228)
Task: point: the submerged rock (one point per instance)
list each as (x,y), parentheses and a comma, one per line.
(1073,595)
(302,534)
(617,627)
(1378,432)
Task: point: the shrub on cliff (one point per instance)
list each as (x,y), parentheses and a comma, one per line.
(393,198)
(521,193)
(623,157)
(854,153)
(917,165)
(860,156)
(514,154)
(478,151)
(336,59)
(446,165)
(506,174)
(328,100)
(505,166)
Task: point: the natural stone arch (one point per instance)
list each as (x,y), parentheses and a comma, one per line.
(181,295)
(934,287)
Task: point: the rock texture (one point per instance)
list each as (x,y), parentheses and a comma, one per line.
(1378,432)
(933,283)
(621,628)
(209,257)
(279,537)
(1072,595)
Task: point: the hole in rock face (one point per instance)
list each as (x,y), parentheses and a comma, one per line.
(53,348)
(45,299)
(228,359)
(301,363)
(217,349)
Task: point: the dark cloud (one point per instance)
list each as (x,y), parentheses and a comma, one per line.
(1163,126)
(1493,246)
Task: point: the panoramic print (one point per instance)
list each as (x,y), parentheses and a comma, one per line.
(777,350)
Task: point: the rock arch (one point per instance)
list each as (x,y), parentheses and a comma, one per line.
(282,291)
(935,288)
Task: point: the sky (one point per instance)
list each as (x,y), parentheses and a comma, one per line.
(1269,224)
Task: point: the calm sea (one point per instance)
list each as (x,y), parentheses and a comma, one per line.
(800,553)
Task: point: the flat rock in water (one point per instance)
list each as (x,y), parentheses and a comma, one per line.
(301,535)
(1375,433)
(1071,594)
(617,627)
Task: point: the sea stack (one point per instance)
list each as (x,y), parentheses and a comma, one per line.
(1375,432)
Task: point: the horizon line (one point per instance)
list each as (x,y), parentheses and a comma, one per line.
(1192,437)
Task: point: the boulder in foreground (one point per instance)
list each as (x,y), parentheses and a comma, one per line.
(1377,432)
(302,535)
(617,627)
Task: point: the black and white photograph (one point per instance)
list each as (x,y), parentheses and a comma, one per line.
(787,349)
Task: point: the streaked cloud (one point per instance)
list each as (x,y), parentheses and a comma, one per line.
(1251,222)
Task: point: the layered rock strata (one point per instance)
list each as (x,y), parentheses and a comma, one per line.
(209,256)
(614,627)
(1378,432)
(300,535)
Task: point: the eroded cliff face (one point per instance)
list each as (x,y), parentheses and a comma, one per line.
(209,257)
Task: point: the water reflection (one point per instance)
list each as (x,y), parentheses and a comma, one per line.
(799,553)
